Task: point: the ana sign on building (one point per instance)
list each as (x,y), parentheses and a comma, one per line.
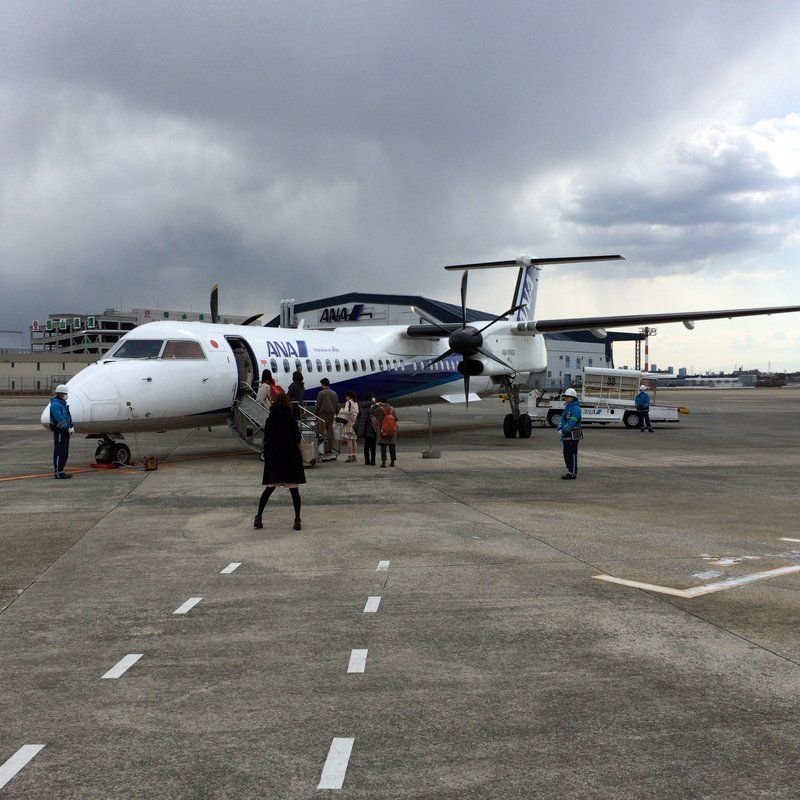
(345,314)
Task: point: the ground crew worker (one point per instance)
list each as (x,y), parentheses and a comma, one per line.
(61,425)
(643,407)
(570,421)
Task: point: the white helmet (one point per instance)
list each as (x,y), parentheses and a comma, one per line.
(642,388)
(570,393)
(62,389)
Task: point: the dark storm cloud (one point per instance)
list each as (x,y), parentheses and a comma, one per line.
(153,148)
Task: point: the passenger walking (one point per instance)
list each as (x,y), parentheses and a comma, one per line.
(365,428)
(348,414)
(61,425)
(296,392)
(386,425)
(326,408)
(283,462)
(643,407)
(570,427)
(264,395)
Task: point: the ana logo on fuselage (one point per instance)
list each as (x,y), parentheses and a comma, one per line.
(286,349)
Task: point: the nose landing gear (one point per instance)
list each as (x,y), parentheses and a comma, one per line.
(112,451)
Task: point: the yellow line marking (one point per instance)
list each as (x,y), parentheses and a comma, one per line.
(697,591)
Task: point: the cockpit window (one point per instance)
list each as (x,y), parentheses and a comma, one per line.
(138,348)
(183,348)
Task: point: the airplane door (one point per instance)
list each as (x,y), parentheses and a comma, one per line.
(245,362)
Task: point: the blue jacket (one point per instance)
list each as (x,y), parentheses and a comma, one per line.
(643,401)
(59,414)
(570,418)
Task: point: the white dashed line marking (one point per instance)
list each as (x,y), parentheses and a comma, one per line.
(358,661)
(18,761)
(383,566)
(122,666)
(372,605)
(232,567)
(336,763)
(187,606)
(784,539)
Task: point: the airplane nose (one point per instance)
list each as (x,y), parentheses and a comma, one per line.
(78,407)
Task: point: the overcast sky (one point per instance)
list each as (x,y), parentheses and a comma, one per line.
(151,149)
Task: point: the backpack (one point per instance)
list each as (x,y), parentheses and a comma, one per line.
(389,425)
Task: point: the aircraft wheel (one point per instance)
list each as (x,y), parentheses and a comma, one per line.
(102,455)
(524,426)
(121,453)
(553,417)
(509,426)
(631,419)
(262,455)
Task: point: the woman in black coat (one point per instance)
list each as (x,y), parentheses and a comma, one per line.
(283,462)
(364,428)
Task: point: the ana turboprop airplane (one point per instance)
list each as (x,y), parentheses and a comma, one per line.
(168,375)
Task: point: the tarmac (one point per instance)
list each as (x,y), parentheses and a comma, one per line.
(494,664)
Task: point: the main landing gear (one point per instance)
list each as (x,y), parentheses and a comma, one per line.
(515,423)
(112,451)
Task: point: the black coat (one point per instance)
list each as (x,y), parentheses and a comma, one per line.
(283,462)
(363,424)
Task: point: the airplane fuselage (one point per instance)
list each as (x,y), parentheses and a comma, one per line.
(169,375)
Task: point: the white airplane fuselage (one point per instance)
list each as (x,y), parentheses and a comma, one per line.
(159,393)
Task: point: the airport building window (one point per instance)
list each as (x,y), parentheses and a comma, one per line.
(590,362)
(337,364)
(286,367)
(38,368)
(273,365)
(138,348)
(566,361)
(319,366)
(309,367)
(183,349)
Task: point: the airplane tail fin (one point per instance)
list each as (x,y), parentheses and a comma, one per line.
(525,292)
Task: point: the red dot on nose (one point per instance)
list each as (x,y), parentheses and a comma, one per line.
(214,344)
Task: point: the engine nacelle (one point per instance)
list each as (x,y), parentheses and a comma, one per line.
(472,366)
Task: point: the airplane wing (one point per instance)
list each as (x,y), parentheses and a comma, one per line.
(637,320)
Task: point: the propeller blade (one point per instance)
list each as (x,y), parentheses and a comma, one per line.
(442,357)
(504,314)
(466,388)
(215,303)
(489,354)
(464,278)
(251,320)
(429,319)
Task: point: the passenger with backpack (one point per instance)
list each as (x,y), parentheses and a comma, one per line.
(386,425)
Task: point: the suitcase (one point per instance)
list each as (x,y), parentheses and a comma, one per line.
(309,452)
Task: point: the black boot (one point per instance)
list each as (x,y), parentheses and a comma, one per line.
(297,526)
(257,522)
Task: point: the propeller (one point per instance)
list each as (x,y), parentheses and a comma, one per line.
(467,340)
(215,303)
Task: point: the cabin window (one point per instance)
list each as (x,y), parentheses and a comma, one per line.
(372,365)
(319,366)
(394,362)
(380,364)
(309,367)
(363,365)
(286,367)
(138,348)
(346,365)
(355,365)
(273,365)
(297,365)
(183,349)
(337,364)
(328,365)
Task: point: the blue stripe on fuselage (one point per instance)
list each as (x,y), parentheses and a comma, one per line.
(389,384)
